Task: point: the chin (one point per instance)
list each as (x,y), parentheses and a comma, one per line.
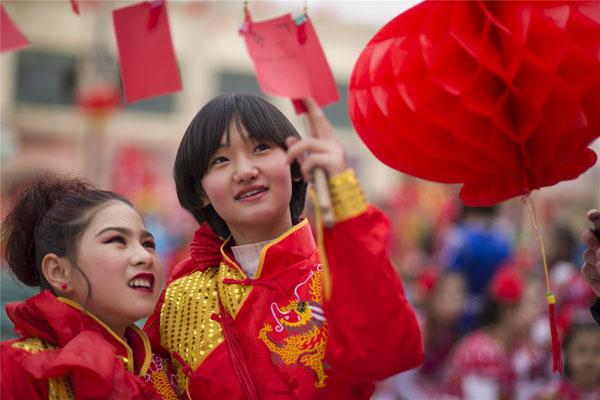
(141,313)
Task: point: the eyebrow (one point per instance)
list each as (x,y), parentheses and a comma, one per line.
(124,231)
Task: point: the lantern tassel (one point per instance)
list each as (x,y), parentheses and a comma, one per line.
(556,348)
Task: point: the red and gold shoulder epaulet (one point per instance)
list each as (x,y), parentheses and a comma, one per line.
(58,388)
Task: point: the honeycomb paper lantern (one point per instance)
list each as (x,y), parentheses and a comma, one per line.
(503,97)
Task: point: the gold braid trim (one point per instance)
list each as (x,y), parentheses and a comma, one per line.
(59,388)
(346,195)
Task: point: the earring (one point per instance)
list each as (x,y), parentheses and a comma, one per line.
(63,285)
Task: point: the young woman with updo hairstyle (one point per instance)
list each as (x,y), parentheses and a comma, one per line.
(98,272)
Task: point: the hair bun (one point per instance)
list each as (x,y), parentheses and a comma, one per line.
(32,202)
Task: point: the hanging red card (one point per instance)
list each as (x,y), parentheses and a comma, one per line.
(146,55)
(11,37)
(289,61)
(75,6)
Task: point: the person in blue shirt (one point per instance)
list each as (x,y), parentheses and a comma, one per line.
(476,248)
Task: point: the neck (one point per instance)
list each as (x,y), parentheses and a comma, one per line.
(114,326)
(256,234)
(117,328)
(120,331)
(502,335)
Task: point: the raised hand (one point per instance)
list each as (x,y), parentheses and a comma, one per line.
(321,150)
(591,267)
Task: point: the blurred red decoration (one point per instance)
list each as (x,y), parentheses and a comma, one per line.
(507,286)
(99,99)
(427,279)
(11,38)
(503,97)
(75,6)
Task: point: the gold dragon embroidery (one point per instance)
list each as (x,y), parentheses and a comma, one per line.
(302,328)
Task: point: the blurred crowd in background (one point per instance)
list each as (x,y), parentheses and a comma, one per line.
(468,272)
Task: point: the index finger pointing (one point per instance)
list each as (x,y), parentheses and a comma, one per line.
(318,122)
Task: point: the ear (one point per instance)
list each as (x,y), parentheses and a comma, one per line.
(58,271)
(205,201)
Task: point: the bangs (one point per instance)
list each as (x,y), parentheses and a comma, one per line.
(260,120)
(262,126)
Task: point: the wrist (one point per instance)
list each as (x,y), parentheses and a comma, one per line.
(347,196)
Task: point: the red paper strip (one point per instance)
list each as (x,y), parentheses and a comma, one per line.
(146,55)
(285,66)
(11,37)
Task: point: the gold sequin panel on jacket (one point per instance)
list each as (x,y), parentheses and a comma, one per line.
(186,326)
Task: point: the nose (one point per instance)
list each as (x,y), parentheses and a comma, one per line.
(142,257)
(246,171)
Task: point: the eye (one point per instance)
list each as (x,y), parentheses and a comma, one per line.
(218,160)
(116,239)
(261,147)
(149,244)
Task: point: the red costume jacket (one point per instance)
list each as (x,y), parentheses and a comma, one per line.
(303,328)
(66,353)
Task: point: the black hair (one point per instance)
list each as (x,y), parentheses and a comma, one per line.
(49,215)
(564,244)
(261,120)
(490,312)
(483,211)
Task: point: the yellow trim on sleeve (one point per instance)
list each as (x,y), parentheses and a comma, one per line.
(346,195)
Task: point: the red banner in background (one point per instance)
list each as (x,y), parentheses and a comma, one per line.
(289,61)
(147,58)
(11,37)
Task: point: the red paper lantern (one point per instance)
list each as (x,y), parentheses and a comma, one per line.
(503,97)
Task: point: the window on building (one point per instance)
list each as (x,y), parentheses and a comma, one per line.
(338,112)
(45,77)
(161,104)
(235,82)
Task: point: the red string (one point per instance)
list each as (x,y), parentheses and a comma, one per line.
(156,7)
(75,6)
